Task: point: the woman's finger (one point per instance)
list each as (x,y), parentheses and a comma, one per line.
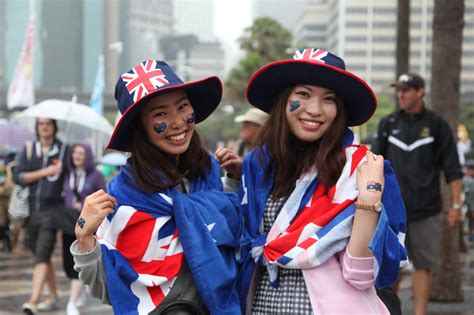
(103,197)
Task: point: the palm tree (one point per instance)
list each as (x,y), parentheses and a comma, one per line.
(403,37)
(265,41)
(448,25)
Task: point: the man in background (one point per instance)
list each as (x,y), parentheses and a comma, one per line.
(420,144)
(252,121)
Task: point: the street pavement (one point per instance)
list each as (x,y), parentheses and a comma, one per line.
(435,308)
(15,285)
(16,272)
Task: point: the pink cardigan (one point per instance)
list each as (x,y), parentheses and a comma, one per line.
(342,285)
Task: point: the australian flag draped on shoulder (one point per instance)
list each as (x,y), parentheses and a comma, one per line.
(314,225)
(144,241)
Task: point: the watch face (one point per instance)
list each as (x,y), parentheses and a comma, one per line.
(378,206)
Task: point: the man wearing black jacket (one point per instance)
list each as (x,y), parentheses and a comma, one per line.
(419,143)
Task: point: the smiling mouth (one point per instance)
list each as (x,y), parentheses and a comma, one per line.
(177,138)
(310,123)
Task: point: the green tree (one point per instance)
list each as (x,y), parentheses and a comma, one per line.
(385,107)
(237,81)
(263,42)
(267,38)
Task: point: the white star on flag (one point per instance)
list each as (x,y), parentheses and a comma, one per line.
(210,227)
(244,198)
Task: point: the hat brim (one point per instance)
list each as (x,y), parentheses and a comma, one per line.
(243,118)
(359,99)
(403,85)
(204,95)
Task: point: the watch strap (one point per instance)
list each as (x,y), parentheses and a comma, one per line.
(366,207)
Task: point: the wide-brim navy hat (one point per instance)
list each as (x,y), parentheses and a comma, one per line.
(313,66)
(152,78)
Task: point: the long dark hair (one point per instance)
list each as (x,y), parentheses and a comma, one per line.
(155,170)
(290,157)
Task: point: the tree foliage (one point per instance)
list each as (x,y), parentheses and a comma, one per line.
(263,42)
(237,81)
(267,38)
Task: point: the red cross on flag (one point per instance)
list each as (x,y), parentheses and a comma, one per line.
(144,78)
(310,54)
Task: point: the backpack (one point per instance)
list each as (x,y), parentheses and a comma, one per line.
(19,205)
(6,179)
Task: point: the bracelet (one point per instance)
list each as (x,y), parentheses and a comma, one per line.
(457,206)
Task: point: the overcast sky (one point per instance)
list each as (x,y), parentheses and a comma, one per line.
(231,17)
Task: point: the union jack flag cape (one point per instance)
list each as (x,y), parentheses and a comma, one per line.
(144,241)
(313,225)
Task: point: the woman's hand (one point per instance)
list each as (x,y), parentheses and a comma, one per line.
(96,207)
(370,183)
(370,179)
(230,161)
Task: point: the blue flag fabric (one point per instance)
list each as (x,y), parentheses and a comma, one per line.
(204,225)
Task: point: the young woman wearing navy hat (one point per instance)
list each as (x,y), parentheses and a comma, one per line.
(324,219)
(163,239)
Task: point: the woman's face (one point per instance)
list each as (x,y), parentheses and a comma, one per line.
(168,120)
(79,156)
(310,111)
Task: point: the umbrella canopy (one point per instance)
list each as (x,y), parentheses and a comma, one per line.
(114,159)
(13,135)
(76,122)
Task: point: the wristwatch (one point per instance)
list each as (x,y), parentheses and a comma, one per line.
(376,207)
(457,206)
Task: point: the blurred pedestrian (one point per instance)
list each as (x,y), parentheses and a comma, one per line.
(80,180)
(419,144)
(251,122)
(463,144)
(43,174)
(323,215)
(167,233)
(6,186)
(468,189)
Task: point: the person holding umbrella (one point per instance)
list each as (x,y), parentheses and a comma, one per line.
(42,173)
(163,239)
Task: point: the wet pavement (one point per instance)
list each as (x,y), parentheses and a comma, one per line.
(15,285)
(446,308)
(16,272)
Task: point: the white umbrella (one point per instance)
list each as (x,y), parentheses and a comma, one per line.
(114,159)
(76,122)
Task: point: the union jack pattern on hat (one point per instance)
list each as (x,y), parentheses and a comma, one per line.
(310,54)
(144,78)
